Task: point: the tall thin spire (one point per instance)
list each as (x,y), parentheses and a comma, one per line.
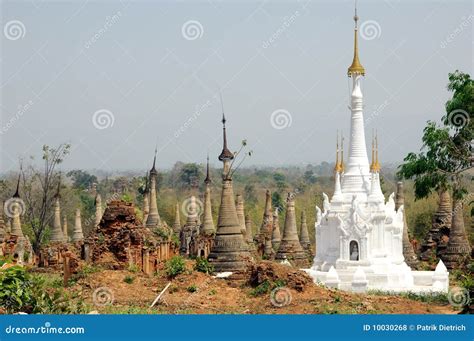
(17,192)
(377,163)
(207,180)
(153,219)
(226,154)
(356,67)
(372,163)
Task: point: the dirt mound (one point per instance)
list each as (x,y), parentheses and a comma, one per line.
(279,273)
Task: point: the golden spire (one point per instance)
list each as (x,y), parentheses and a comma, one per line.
(337,166)
(372,164)
(356,67)
(377,164)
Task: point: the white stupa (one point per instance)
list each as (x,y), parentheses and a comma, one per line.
(358,234)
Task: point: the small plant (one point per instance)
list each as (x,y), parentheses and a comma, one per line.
(129,279)
(133,268)
(212,292)
(175,266)
(262,289)
(203,265)
(192,288)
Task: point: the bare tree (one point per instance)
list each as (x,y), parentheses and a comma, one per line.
(39,188)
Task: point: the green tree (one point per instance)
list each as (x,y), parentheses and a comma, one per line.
(81,179)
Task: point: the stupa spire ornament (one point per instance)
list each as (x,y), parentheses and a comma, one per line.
(356,67)
(229,251)
(57,234)
(338,165)
(77,233)
(153,219)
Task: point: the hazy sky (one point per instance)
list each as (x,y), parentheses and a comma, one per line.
(152,68)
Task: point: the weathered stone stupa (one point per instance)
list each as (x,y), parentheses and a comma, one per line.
(77,233)
(304,235)
(276,235)
(65,232)
(177,221)
(98,209)
(458,249)
(207,228)
(190,228)
(57,234)
(153,220)
(16,211)
(437,237)
(249,233)
(408,252)
(290,248)
(239,205)
(229,252)
(146,201)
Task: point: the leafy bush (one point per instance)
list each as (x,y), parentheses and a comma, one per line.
(129,279)
(262,289)
(192,288)
(26,293)
(203,265)
(175,266)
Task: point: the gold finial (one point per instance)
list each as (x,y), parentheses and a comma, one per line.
(377,164)
(372,164)
(337,167)
(356,67)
